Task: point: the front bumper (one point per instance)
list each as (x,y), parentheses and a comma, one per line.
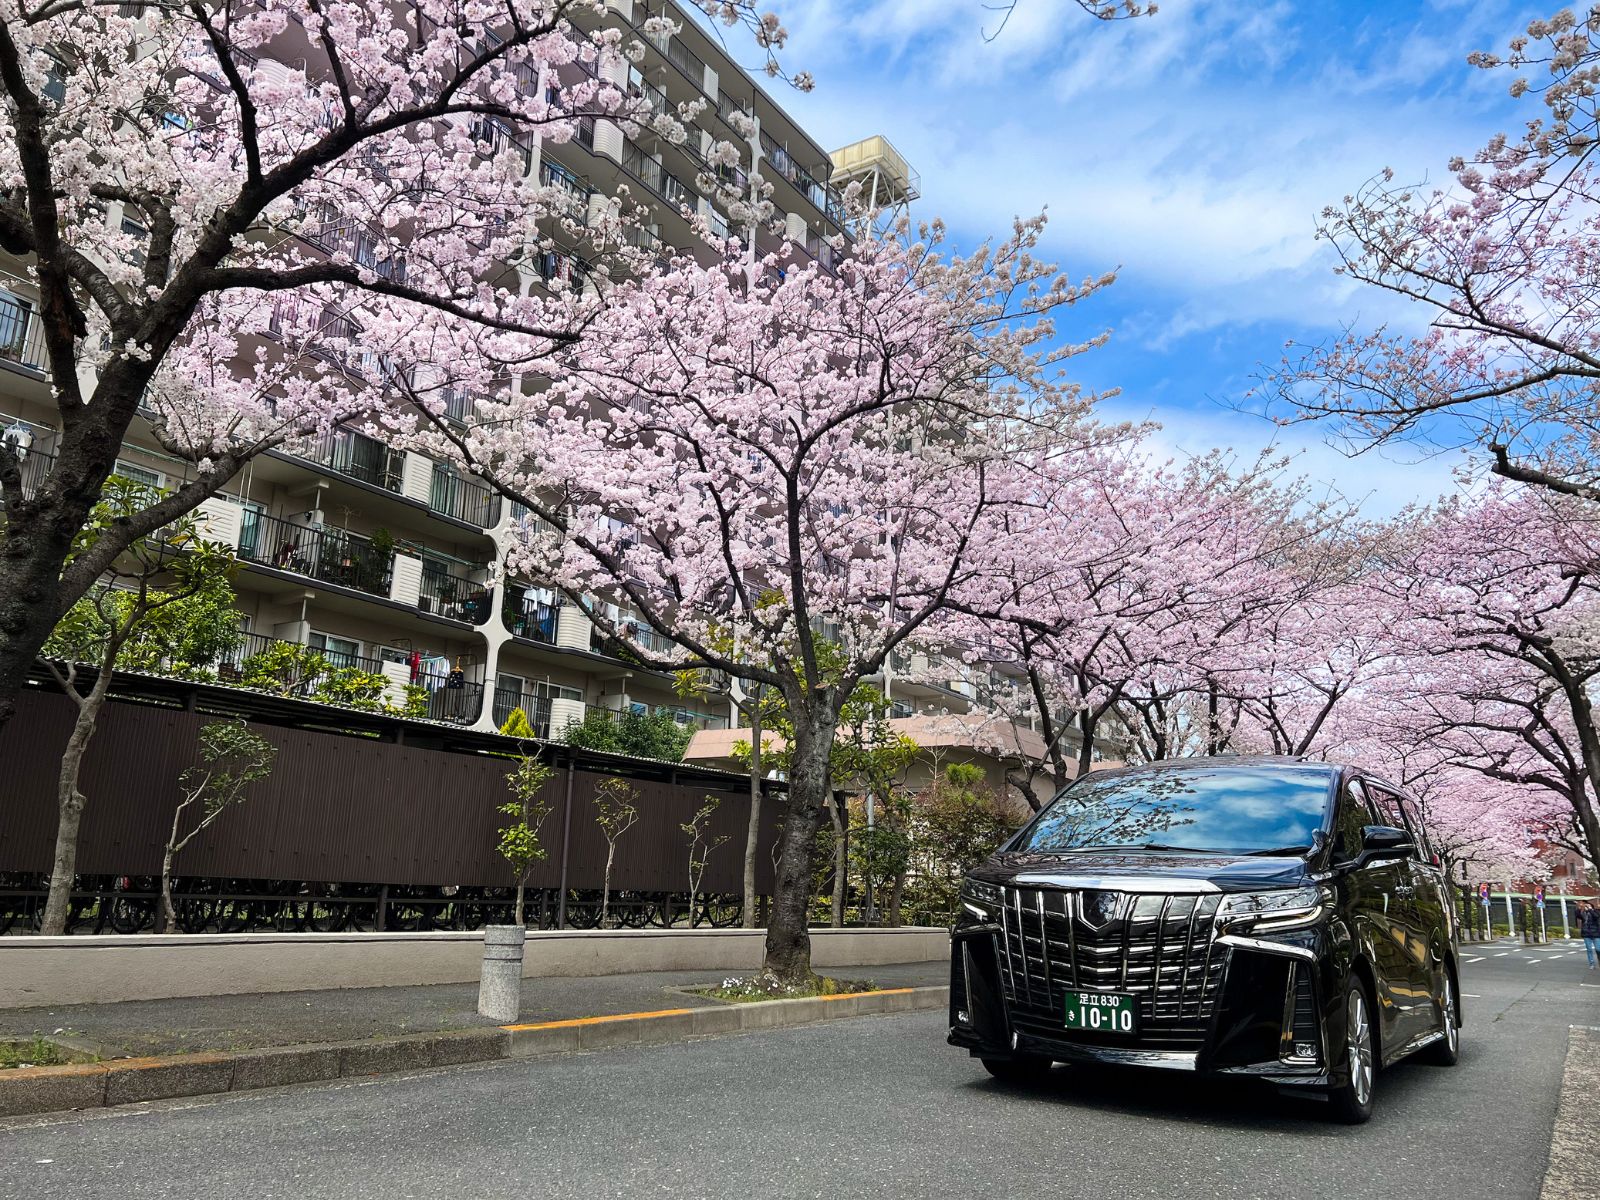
(1262,1017)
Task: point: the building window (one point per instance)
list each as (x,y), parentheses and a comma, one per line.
(341,652)
(134,473)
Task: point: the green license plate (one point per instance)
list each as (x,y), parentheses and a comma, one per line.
(1102,1012)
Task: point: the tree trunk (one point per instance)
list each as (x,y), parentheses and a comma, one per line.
(70,802)
(605,886)
(518,919)
(841,860)
(1583,801)
(896,896)
(169,914)
(788,957)
(752,837)
(30,574)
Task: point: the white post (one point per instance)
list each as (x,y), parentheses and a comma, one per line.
(1561,897)
(1511,921)
(500,987)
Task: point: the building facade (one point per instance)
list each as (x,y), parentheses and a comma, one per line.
(390,561)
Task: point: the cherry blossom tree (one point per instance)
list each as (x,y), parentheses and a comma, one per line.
(254,218)
(788,472)
(1503,597)
(1500,262)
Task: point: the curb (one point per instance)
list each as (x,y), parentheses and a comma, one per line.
(30,1090)
(1571,1173)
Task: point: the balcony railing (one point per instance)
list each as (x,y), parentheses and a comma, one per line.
(21,336)
(364,248)
(357,456)
(462,498)
(36,468)
(537,708)
(662,182)
(334,556)
(447,593)
(531,612)
(460,705)
(553,175)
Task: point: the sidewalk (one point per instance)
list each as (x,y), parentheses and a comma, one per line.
(138,1028)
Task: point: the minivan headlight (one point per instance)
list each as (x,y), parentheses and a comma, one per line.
(1275,911)
(980,899)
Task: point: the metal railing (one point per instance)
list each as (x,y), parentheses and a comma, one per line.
(36,468)
(536,708)
(531,616)
(21,336)
(462,498)
(447,593)
(459,705)
(334,556)
(357,456)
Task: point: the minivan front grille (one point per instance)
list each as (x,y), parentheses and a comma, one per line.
(1157,948)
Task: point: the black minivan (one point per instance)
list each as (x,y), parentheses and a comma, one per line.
(1277,918)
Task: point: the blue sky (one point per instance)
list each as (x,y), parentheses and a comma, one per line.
(1192,150)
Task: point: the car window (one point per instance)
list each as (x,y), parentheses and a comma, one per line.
(1391,811)
(1419,831)
(1211,806)
(1353,815)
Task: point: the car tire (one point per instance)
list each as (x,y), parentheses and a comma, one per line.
(1351,1102)
(1019,1068)
(1446,1052)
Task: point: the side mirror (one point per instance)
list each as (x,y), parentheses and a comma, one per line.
(1385,841)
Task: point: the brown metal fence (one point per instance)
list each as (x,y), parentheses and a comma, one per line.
(348,809)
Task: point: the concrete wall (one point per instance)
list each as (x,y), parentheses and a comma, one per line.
(109,968)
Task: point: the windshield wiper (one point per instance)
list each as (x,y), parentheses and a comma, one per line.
(1280,852)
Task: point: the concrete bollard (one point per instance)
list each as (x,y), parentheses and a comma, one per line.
(500,988)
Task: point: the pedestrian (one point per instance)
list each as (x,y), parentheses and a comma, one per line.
(1589,927)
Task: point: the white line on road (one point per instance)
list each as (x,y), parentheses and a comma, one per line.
(1532,962)
(1502,954)
(1470,996)
(1470,959)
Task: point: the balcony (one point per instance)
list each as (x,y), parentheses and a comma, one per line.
(36,468)
(451,594)
(537,708)
(660,181)
(334,556)
(357,456)
(553,175)
(458,705)
(359,244)
(531,612)
(462,498)
(21,337)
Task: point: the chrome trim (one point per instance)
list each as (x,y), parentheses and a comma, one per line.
(1265,947)
(1144,885)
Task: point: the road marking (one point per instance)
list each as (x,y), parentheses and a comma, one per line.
(1474,959)
(1532,962)
(1470,996)
(637,1016)
(1502,953)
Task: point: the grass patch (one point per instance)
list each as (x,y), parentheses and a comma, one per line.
(34,1052)
(756,987)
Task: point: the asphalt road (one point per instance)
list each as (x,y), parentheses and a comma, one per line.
(867,1107)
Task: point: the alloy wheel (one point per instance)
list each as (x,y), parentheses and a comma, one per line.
(1452,1035)
(1359,1047)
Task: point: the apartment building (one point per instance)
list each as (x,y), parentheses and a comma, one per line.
(389,560)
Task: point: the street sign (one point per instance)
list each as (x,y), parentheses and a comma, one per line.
(1538,895)
(1483,892)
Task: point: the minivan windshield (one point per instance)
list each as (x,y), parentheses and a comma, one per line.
(1211,808)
